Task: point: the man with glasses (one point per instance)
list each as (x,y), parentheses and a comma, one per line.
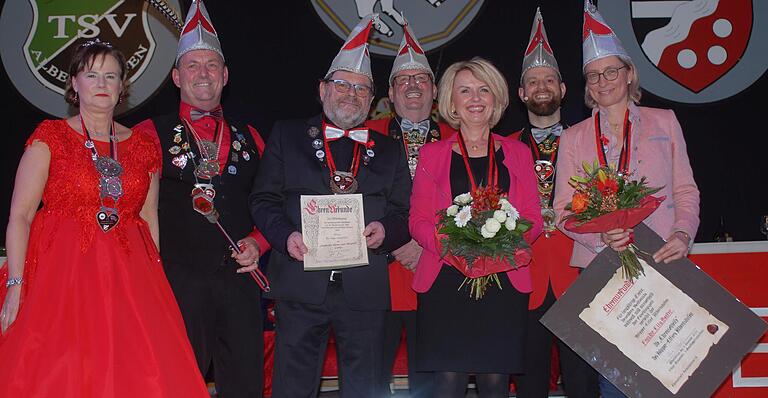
(412,92)
(541,90)
(332,153)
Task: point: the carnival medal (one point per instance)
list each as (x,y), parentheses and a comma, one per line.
(110,185)
(343,182)
(107,218)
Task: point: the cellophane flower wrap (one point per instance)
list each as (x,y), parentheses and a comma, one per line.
(481,235)
(604,200)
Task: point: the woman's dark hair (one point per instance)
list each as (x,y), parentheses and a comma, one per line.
(84,58)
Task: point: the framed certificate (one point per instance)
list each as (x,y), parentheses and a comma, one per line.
(332,227)
(673,332)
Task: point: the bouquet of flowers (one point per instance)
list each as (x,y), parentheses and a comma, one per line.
(606,200)
(481,234)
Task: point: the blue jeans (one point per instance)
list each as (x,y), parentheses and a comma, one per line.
(608,390)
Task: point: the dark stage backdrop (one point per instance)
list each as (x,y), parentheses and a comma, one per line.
(277,50)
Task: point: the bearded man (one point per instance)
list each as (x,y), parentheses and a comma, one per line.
(332,153)
(541,90)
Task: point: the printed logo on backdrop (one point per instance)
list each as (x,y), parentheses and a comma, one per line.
(40,37)
(435,22)
(693,51)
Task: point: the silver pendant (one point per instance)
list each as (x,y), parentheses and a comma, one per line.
(108,167)
(207,169)
(111,187)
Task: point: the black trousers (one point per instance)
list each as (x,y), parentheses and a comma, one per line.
(301,339)
(222,313)
(579,379)
(419,383)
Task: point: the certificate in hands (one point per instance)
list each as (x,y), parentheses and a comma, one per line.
(673,332)
(332,228)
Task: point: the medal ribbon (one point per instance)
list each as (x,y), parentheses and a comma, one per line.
(623,166)
(493,171)
(112,141)
(353,168)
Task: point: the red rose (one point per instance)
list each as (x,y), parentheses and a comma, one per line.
(608,187)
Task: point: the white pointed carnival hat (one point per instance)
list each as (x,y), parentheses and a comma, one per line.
(198,32)
(354,56)
(599,39)
(538,53)
(410,56)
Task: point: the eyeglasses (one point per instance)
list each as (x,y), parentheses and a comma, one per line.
(609,74)
(420,78)
(343,87)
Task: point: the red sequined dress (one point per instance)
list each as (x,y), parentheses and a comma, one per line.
(97,317)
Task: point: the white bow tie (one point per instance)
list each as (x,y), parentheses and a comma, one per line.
(332,133)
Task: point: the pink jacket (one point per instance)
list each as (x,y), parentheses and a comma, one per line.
(432,192)
(658,153)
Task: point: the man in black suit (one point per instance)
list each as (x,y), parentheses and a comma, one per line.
(302,157)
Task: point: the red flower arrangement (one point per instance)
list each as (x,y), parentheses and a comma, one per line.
(604,200)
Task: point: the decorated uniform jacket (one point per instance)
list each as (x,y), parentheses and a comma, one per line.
(186,236)
(551,251)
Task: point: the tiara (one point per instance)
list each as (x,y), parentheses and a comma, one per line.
(96,41)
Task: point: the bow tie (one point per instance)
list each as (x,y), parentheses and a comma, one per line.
(407,125)
(540,135)
(333,133)
(197,114)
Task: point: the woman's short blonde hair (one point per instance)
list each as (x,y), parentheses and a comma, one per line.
(633,90)
(483,70)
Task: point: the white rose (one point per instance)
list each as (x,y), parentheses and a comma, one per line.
(513,213)
(491,225)
(486,233)
(463,216)
(463,199)
(505,205)
(500,215)
(511,224)
(452,210)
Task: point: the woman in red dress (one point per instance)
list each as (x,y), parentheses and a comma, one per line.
(87,311)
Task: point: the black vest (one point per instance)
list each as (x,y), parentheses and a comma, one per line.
(186,236)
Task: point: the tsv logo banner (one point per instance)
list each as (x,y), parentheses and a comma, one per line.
(40,37)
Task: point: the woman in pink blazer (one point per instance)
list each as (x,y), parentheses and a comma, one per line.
(657,152)
(459,335)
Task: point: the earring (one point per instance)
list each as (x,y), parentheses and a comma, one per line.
(75,99)
(629,82)
(453,113)
(525,99)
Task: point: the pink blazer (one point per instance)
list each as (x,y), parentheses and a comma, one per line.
(658,153)
(432,192)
